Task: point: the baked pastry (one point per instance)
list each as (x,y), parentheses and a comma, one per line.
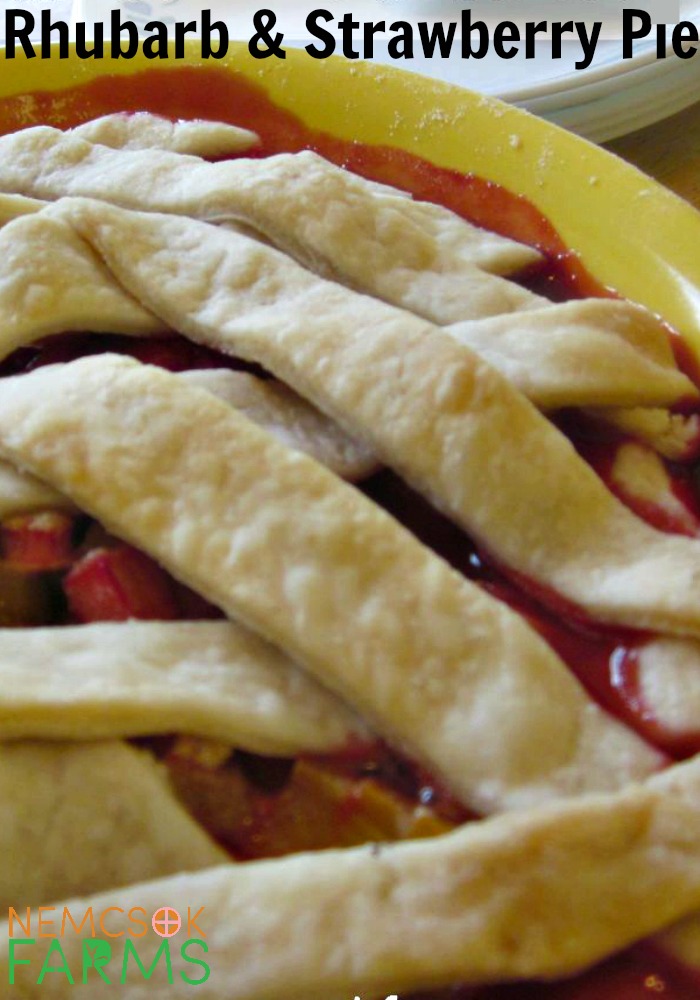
(348,343)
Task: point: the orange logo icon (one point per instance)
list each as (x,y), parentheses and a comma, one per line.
(166,922)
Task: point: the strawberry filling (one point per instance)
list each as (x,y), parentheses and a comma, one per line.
(37,541)
(117,584)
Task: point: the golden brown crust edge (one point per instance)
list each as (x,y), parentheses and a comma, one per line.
(206,678)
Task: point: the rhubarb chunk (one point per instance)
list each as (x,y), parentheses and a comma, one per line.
(118,584)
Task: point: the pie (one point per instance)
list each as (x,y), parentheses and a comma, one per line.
(322,529)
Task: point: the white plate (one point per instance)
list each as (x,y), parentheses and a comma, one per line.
(610,98)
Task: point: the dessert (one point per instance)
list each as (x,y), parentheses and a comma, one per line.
(330,413)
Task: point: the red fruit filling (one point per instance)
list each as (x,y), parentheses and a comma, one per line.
(113,585)
(43,541)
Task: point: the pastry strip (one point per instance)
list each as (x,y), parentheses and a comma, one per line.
(674,435)
(485,903)
(590,352)
(290,419)
(414,254)
(51,282)
(211,679)
(642,478)
(144,130)
(14,205)
(581,353)
(428,407)
(311,173)
(272,405)
(668,679)
(277,541)
(87,818)
(21,493)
